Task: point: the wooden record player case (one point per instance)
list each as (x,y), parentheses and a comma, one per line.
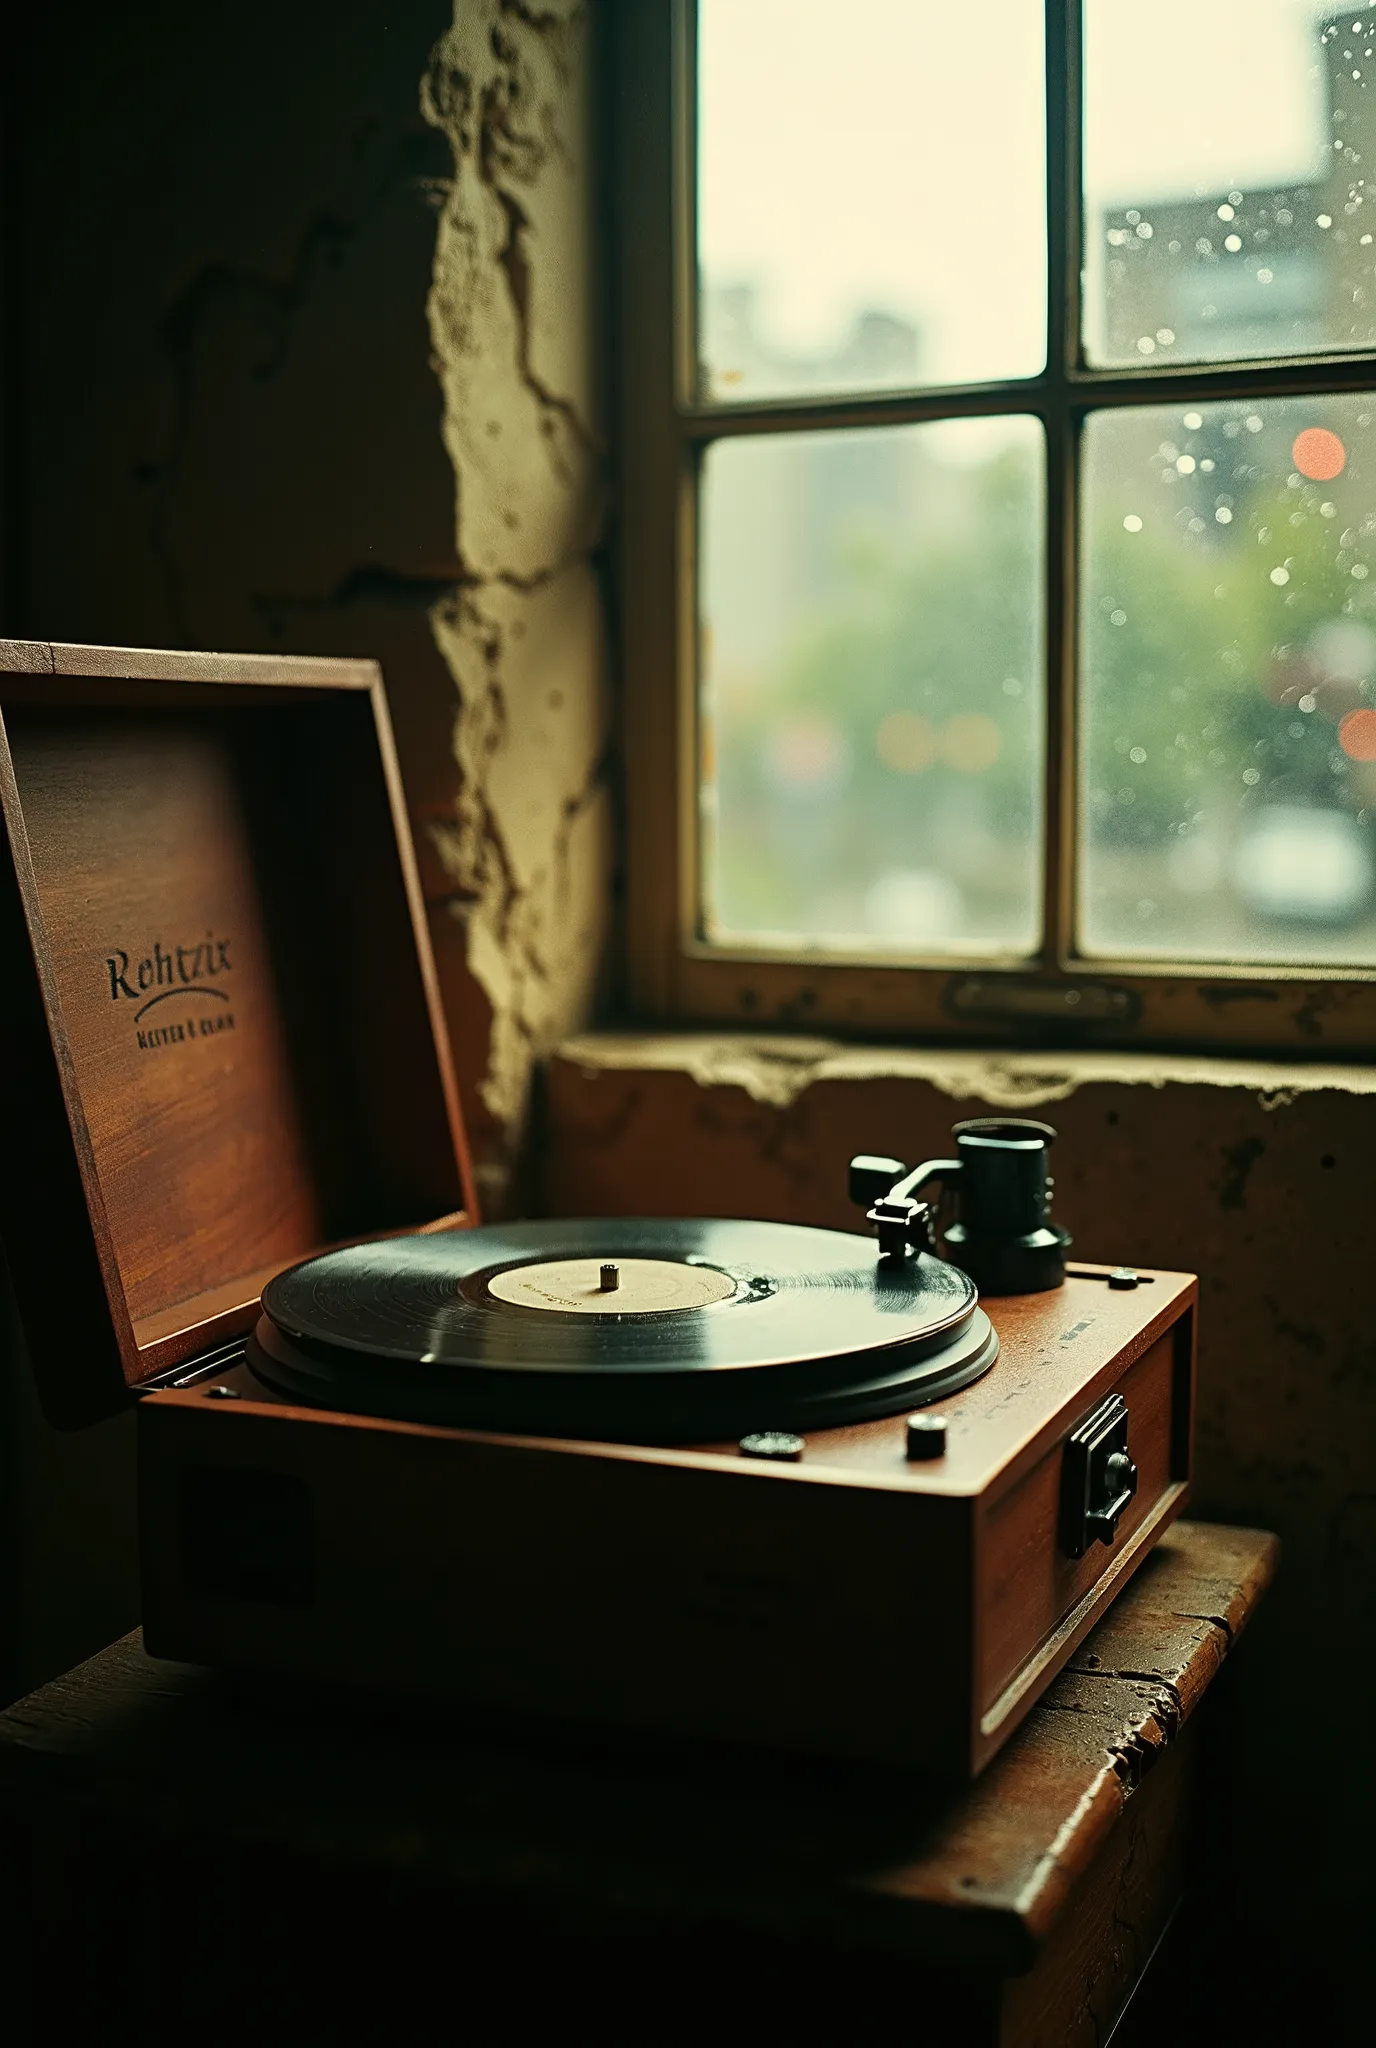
(222,1040)
(223,1051)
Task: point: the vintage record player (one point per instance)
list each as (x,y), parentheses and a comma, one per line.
(813,1488)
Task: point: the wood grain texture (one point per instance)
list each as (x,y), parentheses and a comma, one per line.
(174,1010)
(223,1047)
(1095,1956)
(1026,1581)
(997,1879)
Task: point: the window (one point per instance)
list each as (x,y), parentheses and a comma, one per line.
(999,491)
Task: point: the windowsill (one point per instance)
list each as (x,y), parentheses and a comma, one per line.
(776,1070)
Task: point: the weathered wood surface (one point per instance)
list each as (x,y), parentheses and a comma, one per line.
(976,1878)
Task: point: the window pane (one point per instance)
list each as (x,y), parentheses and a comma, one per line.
(872,689)
(1226,151)
(1229,636)
(871,195)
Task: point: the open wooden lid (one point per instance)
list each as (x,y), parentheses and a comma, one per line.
(221,1043)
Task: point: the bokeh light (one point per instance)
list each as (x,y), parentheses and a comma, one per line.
(1318,454)
(905,742)
(1357,735)
(970,742)
(807,752)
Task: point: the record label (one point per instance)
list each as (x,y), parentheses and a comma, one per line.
(620,1286)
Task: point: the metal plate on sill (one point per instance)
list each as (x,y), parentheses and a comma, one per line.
(1000,998)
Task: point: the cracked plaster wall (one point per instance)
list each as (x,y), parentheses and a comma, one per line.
(528,844)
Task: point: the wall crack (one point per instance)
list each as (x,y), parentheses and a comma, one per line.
(262,305)
(527,849)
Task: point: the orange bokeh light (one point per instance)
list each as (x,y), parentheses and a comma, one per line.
(1357,735)
(1318,454)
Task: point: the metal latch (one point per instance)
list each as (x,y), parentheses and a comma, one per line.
(1098,1478)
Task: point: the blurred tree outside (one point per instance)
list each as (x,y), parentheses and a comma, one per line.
(897,734)
(876,783)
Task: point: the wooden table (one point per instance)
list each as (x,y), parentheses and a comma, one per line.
(206,1849)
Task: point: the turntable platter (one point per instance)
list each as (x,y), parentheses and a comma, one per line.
(625,1329)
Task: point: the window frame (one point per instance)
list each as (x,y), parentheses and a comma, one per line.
(1058,995)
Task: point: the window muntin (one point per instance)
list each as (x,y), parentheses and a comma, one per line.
(871,197)
(870,769)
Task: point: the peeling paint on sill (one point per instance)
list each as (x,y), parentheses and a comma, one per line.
(529,848)
(777,1071)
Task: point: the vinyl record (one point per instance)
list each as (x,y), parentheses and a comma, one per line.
(623,1329)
